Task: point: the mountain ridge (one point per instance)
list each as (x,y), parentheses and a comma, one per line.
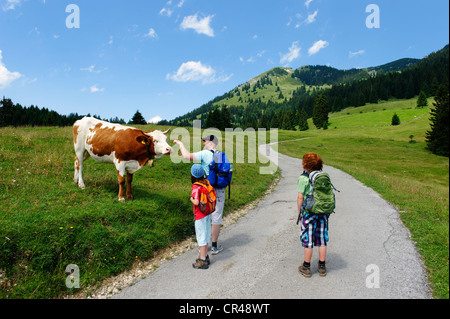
(284,87)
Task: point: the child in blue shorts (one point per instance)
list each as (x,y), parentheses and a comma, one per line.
(314,228)
(202,221)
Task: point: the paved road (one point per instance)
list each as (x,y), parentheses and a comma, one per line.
(370,254)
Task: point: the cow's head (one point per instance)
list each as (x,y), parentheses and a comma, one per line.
(158,141)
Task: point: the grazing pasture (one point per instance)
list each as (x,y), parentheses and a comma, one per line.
(47,222)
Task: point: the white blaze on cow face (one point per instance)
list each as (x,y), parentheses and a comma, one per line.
(160,145)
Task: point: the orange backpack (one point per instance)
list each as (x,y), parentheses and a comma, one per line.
(207,198)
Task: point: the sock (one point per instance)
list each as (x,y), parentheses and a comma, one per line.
(214,244)
(321,262)
(307,265)
(203,258)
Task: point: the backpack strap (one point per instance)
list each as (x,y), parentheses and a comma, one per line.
(313,175)
(201,185)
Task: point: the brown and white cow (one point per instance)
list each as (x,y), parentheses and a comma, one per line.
(128,148)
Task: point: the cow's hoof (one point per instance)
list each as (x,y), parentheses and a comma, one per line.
(122,200)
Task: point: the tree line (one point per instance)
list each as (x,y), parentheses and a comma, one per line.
(17,115)
(423,76)
(12,114)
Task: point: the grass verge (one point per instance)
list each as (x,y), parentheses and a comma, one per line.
(399,168)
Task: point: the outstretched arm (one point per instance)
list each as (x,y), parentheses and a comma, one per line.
(184,152)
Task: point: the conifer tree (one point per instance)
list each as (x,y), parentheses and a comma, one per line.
(422,99)
(395,119)
(138,118)
(209,119)
(262,123)
(226,118)
(437,138)
(303,121)
(320,111)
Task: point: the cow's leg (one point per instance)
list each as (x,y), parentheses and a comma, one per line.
(129,180)
(80,157)
(76,169)
(121,180)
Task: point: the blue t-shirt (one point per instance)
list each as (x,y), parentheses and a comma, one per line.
(205,157)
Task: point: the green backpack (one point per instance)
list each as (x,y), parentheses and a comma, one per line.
(321,199)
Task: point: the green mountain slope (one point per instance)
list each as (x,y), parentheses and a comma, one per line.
(283,89)
(279,83)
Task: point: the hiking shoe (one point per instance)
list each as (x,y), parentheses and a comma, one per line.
(216,250)
(322,270)
(305,271)
(200,264)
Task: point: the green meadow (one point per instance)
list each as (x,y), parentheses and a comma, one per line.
(47,223)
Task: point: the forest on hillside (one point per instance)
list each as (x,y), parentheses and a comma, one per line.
(425,75)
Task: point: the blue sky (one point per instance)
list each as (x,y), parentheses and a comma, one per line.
(169,57)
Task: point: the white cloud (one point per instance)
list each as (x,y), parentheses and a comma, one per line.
(151,34)
(11,4)
(154,120)
(35,30)
(252,59)
(95,89)
(196,71)
(6,77)
(317,46)
(92,69)
(294,53)
(307,3)
(289,22)
(201,26)
(165,11)
(169,8)
(353,54)
(311,17)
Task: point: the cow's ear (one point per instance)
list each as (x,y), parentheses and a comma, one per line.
(142,139)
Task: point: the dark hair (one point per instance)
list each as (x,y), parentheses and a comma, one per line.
(312,162)
(211,138)
(200,180)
